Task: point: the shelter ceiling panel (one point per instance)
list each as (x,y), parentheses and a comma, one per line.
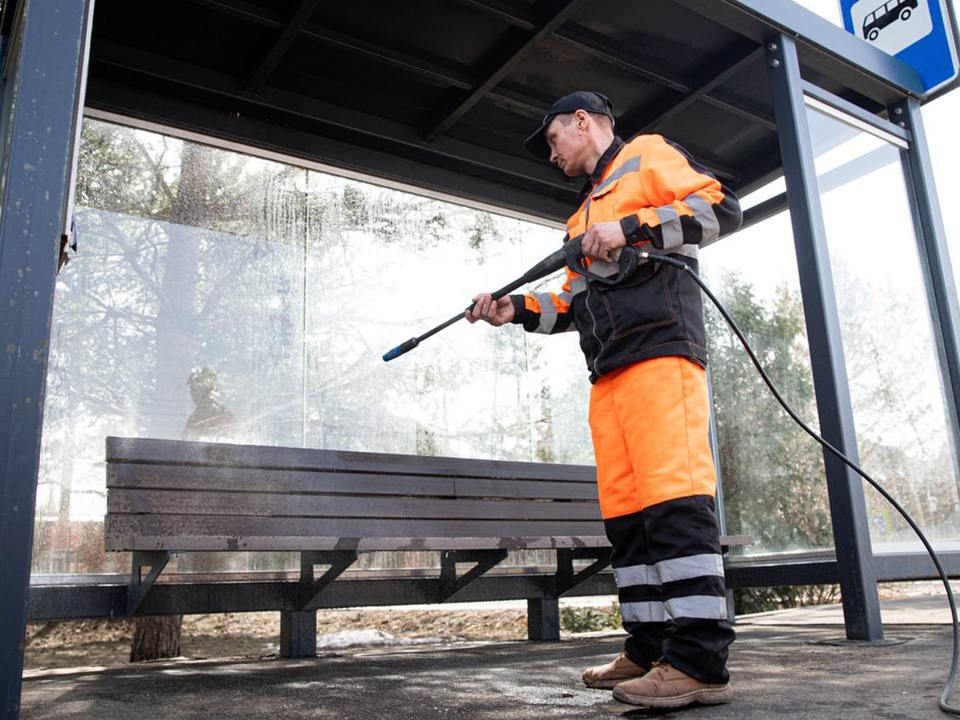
(749,86)
(280,7)
(435,28)
(731,140)
(659,32)
(556,68)
(318,71)
(184,31)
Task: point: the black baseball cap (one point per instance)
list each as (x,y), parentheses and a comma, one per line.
(592,102)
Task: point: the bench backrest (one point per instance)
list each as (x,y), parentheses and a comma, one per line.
(174,495)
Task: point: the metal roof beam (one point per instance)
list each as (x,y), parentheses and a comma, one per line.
(859,60)
(259,137)
(286,102)
(601,47)
(245,11)
(503,12)
(282,44)
(608,50)
(456,75)
(731,62)
(449,116)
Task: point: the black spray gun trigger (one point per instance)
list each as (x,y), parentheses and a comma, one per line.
(627,259)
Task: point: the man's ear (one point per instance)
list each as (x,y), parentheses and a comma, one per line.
(582,119)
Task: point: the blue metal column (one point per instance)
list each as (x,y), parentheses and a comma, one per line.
(934,257)
(861,606)
(43,83)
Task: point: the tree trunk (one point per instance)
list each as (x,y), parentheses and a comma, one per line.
(159,637)
(156,637)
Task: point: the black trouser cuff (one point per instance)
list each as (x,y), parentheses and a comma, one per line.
(697,673)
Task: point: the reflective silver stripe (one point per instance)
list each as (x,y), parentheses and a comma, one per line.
(643,612)
(690,567)
(704,214)
(635,575)
(631,165)
(578,284)
(710,607)
(670,227)
(548,313)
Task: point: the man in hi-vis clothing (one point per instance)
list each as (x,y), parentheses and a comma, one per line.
(645,347)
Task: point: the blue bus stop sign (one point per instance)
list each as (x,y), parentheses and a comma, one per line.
(922,33)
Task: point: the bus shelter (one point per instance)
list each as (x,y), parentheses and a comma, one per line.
(437,97)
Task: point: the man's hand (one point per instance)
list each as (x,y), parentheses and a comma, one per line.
(600,239)
(495,312)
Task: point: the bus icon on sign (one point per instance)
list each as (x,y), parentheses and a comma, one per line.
(890,12)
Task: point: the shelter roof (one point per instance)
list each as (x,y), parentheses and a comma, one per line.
(440,93)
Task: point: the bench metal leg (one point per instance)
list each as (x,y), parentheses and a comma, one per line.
(298,633)
(450,583)
(543,618)
(139,585)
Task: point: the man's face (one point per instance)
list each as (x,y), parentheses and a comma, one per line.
(568,144)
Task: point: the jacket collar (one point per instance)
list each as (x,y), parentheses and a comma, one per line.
(602,164)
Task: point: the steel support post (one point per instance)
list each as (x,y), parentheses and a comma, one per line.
(934,257)
(861,606)
(298,633)
(43,84)
(543,618)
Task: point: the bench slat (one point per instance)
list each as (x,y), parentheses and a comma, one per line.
(173,526)
(167,502)
(293,544)
(178,452)
(176,477)
(186,543)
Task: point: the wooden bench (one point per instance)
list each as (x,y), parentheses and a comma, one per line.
(168,497)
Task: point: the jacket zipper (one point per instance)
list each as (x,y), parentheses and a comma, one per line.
(593,320)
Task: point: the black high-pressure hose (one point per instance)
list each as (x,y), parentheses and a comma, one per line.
(952,675)
(558,259)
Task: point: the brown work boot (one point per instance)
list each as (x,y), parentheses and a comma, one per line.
(666,687)
(616,671)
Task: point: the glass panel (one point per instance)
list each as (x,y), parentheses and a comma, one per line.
(221,297)
(903,434)
(386,266)
(774,488)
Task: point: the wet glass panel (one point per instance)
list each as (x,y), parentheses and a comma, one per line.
(903,434)
(221,297)
(773,484)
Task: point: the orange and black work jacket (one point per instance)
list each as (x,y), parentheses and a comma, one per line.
(666,202)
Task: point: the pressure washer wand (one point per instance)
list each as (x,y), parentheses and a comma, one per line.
(549,264)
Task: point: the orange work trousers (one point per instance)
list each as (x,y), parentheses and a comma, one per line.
(656,484)
(650,424)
